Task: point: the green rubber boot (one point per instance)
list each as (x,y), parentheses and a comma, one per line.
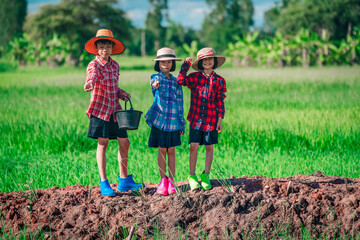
(193,182)
(205,181)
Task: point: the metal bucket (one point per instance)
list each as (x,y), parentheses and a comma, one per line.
(128,119)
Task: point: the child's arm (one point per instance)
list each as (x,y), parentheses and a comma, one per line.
(179,100)
(123,95)
(91,77)
(220,96)
(183,79)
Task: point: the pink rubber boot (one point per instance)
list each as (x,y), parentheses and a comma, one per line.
(163,187)
(171,188)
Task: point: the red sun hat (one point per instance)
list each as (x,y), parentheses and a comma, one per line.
(108,35)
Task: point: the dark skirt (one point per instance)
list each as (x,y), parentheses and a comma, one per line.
(104,129)
(203,138)
(164,139)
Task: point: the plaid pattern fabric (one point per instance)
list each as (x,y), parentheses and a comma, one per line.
(166,113)
(106,93)
(207,98)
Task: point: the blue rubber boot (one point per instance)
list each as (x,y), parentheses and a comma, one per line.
(105,188)
(126,184)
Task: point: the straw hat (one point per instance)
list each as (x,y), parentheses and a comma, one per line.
(207,53)
(108,35)
(164,54)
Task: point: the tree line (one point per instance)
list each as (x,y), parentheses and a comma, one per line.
(296,32)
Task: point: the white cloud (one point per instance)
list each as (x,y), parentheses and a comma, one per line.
(188,13)
(137,16)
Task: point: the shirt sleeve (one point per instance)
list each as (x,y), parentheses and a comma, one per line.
(121,94)
(180,103)
(183,79)
(91,73)
(220,96)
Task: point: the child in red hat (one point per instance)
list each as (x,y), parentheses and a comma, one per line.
(102,80)
(207,109)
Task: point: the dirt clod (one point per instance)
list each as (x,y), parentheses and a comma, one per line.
(327,206)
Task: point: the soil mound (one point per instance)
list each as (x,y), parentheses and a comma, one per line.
(246,207)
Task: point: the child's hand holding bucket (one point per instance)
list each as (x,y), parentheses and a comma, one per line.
(125,96)
(88,87)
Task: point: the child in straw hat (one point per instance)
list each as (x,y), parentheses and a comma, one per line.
(166,117)
(206,109)
(102,79)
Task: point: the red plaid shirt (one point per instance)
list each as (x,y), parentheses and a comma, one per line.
(207,98)
(104,76)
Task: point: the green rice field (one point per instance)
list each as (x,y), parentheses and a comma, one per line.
(278,122)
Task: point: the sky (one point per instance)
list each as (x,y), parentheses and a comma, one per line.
(190,13)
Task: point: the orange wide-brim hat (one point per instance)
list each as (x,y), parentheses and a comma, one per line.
(108,35)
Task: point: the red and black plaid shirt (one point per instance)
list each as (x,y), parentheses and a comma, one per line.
(207,98)
(104,76)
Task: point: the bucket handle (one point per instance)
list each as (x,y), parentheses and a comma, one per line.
(131,107)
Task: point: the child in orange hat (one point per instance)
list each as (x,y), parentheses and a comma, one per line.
(102,79)
(207,109)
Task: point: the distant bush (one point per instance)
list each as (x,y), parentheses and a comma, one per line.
(6,66)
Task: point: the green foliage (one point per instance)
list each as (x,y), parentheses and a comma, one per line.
(337,17)
(154,22)
(192,49)
(77,22)
(12,17)
(278,122)
(305,48)
(228,18)
(7,66)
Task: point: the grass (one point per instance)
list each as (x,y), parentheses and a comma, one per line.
(278,122)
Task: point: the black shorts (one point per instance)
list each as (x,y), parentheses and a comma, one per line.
(103,129)
(164,139)
(203,138)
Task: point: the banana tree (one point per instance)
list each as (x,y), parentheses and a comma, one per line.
(58,50)
(18,49)
(244,49)
(354,46)
(304,42)
(323,48)
(192,49)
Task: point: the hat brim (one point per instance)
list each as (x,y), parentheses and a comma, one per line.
(221,60)
(166,59)
(117,48)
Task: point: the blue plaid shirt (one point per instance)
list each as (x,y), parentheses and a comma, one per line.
(166,112)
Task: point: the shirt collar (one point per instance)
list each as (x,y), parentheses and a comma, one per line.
(164,76)
(211,74)
(102,62)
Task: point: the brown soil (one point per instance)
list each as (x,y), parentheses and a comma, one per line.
(326,206)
